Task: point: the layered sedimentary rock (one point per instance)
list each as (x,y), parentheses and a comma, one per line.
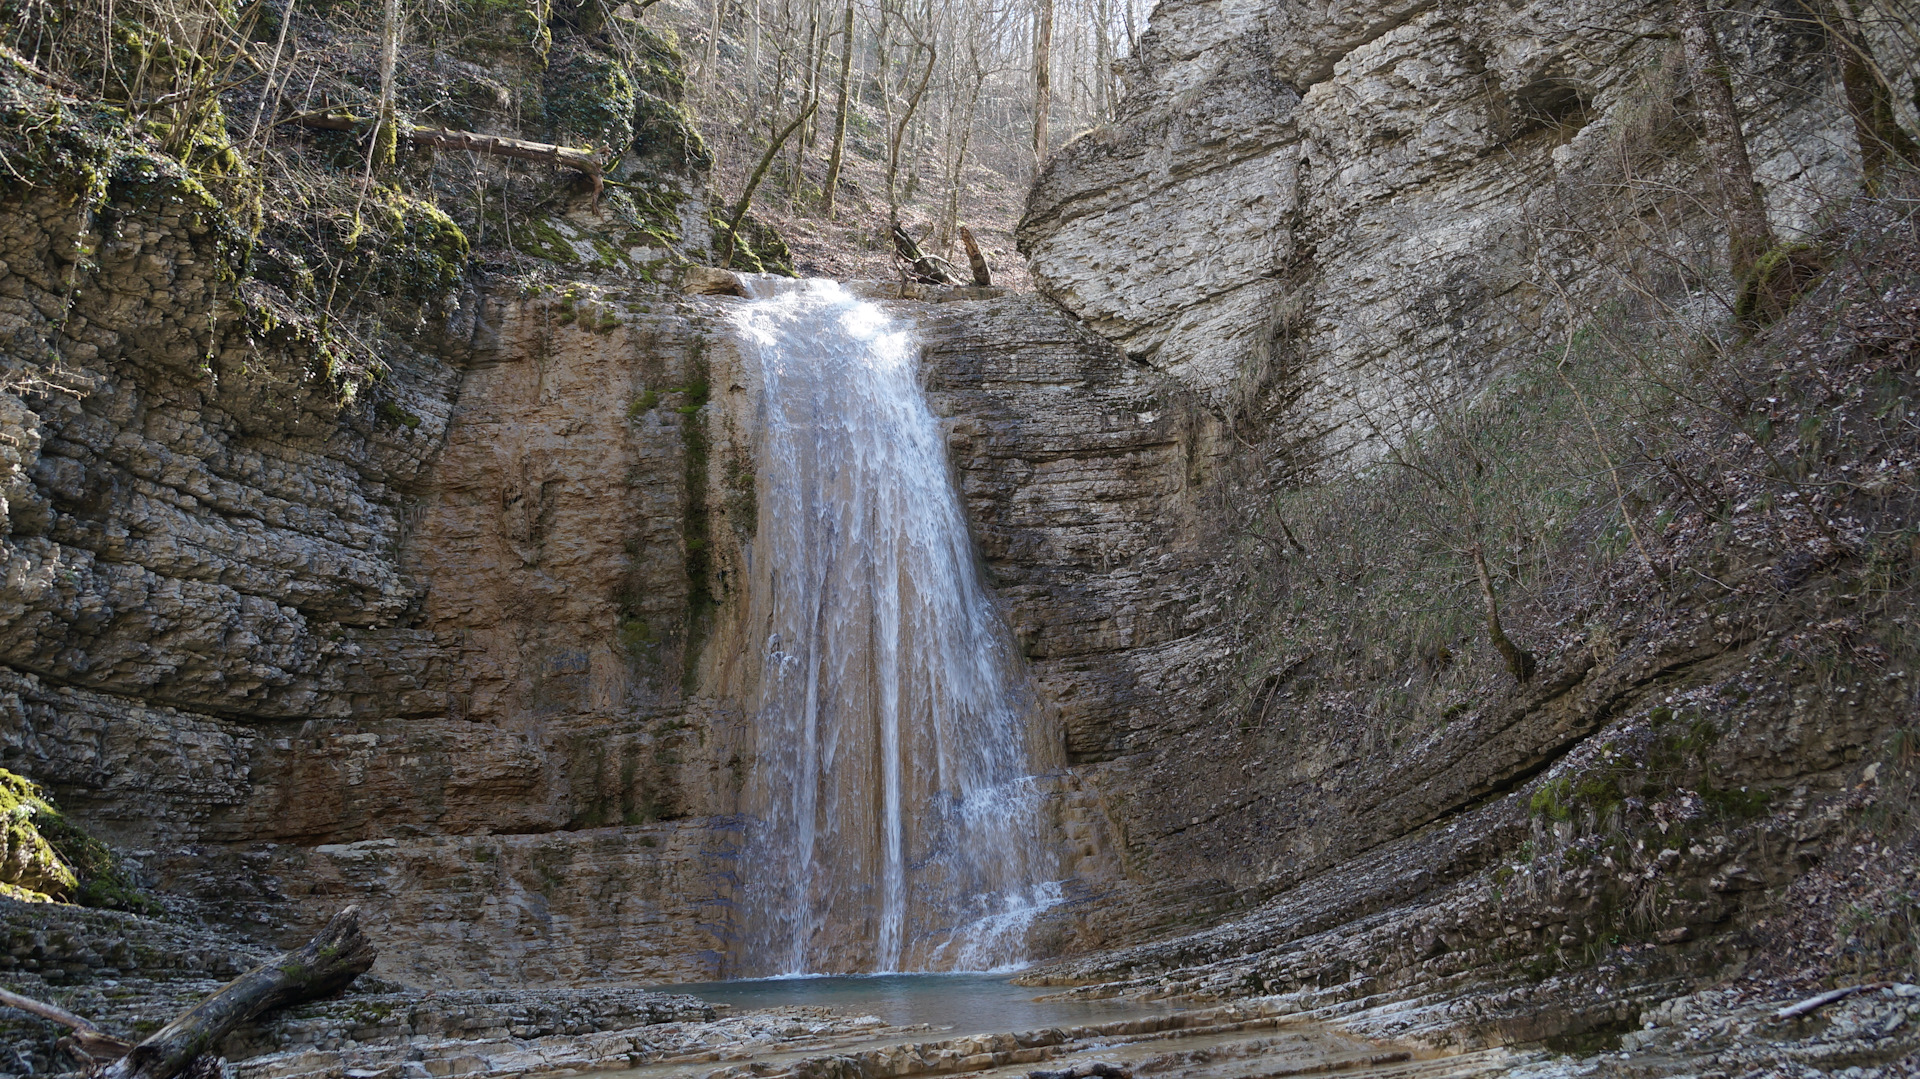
(1328,219)
(457,649)
(1338,226)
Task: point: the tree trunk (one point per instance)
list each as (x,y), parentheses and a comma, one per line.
(759,173)
(1103,62)
(1748,233)
(497,145)
(957,173)
(840,113)
(327,964)
(386,130)
(900,129)
(1042,80)
(1870,101)
(1520,662)
(87,1041)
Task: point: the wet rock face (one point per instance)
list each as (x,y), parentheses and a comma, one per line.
(251,649)
(461,651)
(1322,217)
(1080,471)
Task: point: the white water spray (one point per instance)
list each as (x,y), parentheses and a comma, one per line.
(894,816)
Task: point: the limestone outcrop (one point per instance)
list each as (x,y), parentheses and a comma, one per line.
(484,618)
(1380,243)
(1325,218)
(449,627)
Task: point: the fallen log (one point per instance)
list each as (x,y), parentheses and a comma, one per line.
(927,269)
(982,273)
(497,145)
(321,968)
(1815,1003)
(87,1041)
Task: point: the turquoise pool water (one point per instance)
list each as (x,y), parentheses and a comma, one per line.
(963,1003)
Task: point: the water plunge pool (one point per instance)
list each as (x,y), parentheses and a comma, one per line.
(950,1003)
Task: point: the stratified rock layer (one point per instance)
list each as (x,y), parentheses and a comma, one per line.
(1327,219)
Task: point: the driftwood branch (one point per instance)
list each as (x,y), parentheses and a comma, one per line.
(982,273)
(1815,1003)
(323,967)
(497,145)
(87,1040)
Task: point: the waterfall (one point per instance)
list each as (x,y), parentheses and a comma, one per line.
(894,814)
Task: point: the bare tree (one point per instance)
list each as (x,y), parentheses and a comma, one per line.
(1042,79)
(1749,235)
(845,81)
(1883,144)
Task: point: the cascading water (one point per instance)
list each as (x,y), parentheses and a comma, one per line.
(894,816)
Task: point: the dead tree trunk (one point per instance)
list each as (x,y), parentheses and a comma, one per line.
(1748,233)
(930,269)
(323,967)
(563,156)
(982,273)
(87,1041)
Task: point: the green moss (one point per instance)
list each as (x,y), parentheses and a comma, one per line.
(664,132)
(635,634)
(641,404)
(588,99)
(1600,792)
(393,414)
(1554,800)
(1777,280)
(487,28)
(31,869)
(1743,804)
(757,249)
(696,526)
(410,248)
(743,499)
(49,857)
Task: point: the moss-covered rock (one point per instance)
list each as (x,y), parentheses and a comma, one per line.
(47,858)
(589,100)
(487,27)
(410,248)
(1778,278)
(757,249)
(29,867)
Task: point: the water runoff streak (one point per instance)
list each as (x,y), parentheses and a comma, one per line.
(894,817)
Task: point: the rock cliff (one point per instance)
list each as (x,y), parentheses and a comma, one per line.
(1318,217)
(1437,269)
(1366,328)
(458,646)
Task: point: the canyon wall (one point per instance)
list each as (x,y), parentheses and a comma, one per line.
(1328,219)
(1389,246)
(458,643)
(448,634)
